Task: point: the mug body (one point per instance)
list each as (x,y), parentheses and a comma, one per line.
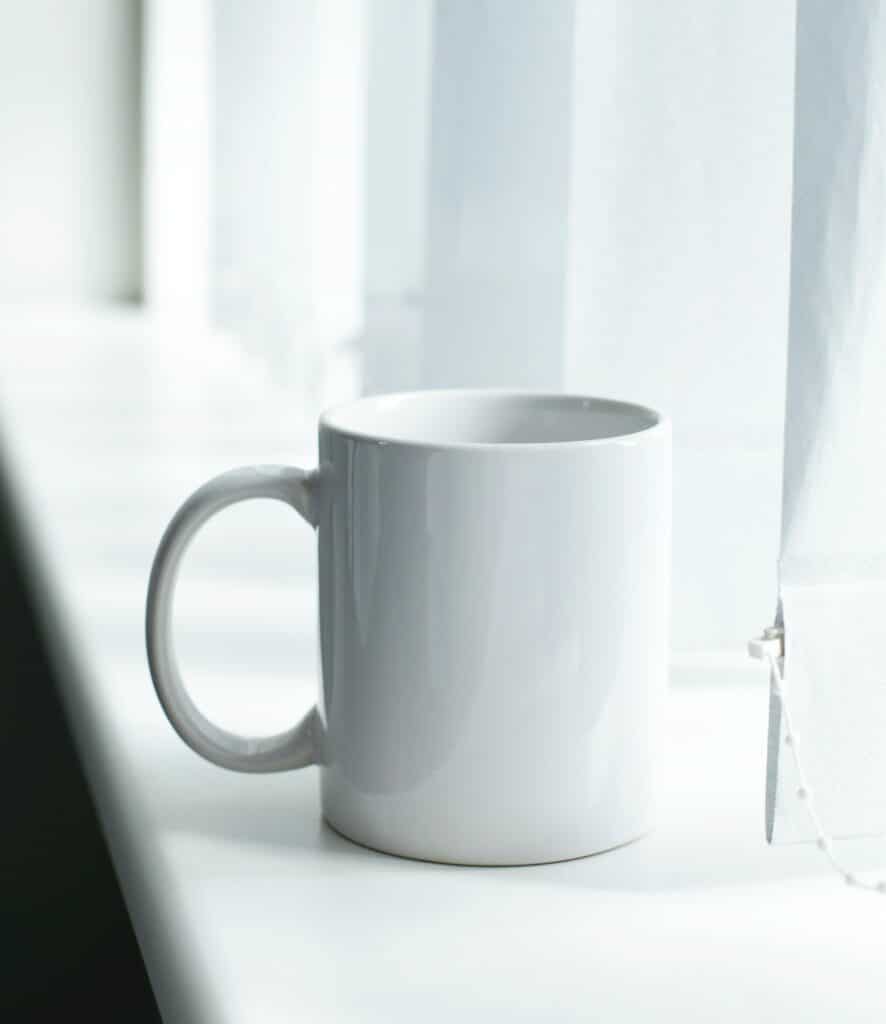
(494,576)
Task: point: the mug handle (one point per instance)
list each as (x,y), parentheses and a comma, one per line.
(294,748)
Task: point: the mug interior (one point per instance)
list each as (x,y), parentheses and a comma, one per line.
(454,418)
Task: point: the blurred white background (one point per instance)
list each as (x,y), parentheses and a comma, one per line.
(350,196)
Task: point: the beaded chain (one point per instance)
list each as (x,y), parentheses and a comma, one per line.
(804,793)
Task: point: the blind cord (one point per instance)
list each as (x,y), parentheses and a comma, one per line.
(767,651)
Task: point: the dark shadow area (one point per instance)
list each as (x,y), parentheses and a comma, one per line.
(67,948)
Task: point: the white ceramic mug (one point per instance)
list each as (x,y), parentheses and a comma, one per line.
(494,577)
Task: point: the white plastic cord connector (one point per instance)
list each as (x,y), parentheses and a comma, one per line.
(771,642)
(770,648)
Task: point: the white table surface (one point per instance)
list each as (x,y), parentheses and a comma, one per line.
(246,907)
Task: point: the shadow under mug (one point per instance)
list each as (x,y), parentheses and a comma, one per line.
(493,573)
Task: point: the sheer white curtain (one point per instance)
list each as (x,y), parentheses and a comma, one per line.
(833,552)
(588,195)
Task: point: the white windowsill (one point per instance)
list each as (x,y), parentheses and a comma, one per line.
(249,909)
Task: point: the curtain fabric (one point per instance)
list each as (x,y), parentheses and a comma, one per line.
(832,568)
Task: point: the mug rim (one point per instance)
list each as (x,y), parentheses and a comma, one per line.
(657,422)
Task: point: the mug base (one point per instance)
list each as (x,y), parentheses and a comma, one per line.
(478,862)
